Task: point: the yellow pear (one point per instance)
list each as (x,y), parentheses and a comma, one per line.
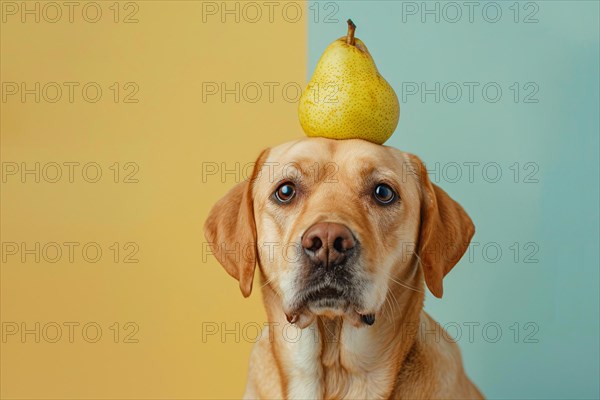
(346,97)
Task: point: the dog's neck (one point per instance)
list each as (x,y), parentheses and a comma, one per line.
(334,359)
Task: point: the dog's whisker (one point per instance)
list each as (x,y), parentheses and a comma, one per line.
(407,286)
(385,306)
(266,283)
(388,309)
(403,284)
(394,298)
(395,306)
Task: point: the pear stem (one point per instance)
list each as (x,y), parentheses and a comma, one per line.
(350,37)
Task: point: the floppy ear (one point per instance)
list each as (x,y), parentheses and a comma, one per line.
(231,231)
(446,231)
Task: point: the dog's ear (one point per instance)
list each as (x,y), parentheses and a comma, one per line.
(230,230)
(446,231)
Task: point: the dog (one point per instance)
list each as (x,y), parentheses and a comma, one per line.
(346,234)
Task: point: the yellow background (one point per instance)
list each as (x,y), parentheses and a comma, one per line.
(169,134)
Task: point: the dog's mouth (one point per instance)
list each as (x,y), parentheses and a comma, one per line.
(329,302)
(325,294)
(335,297)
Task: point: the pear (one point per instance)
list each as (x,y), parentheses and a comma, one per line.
(346,97)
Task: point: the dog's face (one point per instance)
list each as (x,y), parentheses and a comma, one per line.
(338,212)
(332,223)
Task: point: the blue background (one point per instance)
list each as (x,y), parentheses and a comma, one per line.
(551,211)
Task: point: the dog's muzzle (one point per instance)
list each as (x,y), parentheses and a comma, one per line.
(329,283)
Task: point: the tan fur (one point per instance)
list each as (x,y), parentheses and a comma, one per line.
(405,354)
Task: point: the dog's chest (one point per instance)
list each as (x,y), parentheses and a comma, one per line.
(342,362)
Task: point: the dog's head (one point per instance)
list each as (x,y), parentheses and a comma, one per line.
(332,223)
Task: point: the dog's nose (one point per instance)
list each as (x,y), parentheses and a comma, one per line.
(327,243)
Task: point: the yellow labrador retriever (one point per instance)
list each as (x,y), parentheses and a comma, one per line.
(345,233)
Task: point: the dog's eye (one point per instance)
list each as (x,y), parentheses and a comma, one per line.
(384,194)
(285,193)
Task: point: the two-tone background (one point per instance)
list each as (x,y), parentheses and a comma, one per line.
(122,122)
